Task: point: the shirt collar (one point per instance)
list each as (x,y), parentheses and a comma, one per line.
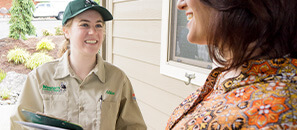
(269,67)
(99,69)
(63,68)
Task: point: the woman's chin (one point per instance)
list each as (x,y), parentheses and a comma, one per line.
(195,40)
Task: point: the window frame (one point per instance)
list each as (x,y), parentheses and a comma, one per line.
(171,68)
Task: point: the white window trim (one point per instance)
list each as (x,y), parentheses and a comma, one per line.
(175,69)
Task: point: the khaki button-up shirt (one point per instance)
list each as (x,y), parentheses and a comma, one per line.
(103,100)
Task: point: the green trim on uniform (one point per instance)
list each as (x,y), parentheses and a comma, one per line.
(110,92)
(51,89)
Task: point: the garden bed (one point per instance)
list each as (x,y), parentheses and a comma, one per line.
(16,74)
(30,45)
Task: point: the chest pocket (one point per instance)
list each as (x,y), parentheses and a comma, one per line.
(55,104)
(109,114)
(108,111)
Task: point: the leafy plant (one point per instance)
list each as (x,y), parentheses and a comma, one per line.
(46,33)
(21,17)
(18,56)
(59,31)
(5,93)
(38,59)
(45,44)
(2,75)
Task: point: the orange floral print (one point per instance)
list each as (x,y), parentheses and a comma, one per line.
(262,96)
(239,95)
(266,111)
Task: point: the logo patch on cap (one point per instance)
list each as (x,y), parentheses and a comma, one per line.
(89,3)
(76,7)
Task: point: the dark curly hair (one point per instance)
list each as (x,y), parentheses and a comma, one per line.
(244,27)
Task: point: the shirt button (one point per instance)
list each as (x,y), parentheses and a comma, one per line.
(81,108)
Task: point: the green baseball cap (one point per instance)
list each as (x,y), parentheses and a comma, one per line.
(76,7)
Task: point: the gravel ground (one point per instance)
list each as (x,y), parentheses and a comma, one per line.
(13,82)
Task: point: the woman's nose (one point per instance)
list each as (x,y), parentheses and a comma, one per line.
(92,30)
(181,4)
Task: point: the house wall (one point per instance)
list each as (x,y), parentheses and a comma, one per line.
(5,4)
(133,44)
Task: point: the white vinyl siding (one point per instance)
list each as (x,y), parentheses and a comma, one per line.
(134,45)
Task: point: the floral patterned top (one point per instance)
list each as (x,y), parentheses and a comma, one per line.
(262,96)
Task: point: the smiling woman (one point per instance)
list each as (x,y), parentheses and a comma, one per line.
(255,45)
(197,22)
(80,87)
(86,34)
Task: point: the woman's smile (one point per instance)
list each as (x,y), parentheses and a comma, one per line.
(189,15)
(91,41)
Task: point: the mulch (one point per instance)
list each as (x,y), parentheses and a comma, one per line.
(30,45)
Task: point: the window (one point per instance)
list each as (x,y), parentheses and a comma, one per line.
(179,57)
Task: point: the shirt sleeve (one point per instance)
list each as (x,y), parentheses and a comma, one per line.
(30,99)
(130,117)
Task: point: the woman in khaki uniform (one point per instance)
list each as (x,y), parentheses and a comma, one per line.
(80,87)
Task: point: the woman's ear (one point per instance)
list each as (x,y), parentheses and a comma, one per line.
(66,32)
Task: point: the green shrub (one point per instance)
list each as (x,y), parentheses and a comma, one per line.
(46,33)
(59,31)
(20,20)
(5,93)
(2,75)
(18,56)
(38,59)
(45,44)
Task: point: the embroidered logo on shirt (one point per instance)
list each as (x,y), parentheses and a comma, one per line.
(54,90)
(110,92)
